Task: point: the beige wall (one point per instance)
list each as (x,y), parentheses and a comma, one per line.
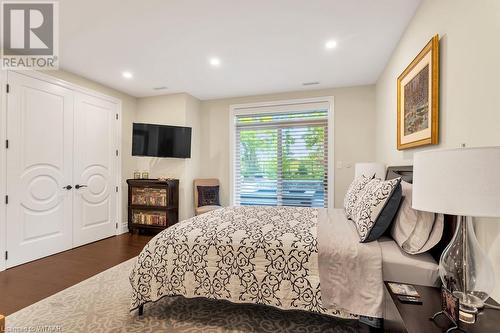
(178,110)
(354,120)
(470,112)
(354,109)
(129,105)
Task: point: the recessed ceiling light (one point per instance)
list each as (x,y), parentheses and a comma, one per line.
(127,75)
(331,44)
(214,62)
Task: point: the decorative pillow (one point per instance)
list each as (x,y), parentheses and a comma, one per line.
(208,196)
(412,228)
(376,207)
(351,196)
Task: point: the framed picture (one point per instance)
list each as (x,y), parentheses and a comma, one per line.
(450,305)
(418,99)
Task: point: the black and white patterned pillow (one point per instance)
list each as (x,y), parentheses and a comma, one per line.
(351,196)
(377,204)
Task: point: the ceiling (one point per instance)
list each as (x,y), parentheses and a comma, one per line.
(264,46)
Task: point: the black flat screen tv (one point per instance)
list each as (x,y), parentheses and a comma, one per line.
(161,141)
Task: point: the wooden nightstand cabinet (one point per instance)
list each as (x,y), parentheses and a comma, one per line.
(414,318)
(152,204)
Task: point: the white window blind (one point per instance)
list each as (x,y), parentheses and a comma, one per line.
(281,158)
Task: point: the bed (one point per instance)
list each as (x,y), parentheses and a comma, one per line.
(421,269)
(262,255)
(274,256)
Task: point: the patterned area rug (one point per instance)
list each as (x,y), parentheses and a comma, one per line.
(101,303)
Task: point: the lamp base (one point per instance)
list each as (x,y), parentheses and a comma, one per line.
(464,268)
(468,300)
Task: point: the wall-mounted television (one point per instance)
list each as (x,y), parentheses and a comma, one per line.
(161,141)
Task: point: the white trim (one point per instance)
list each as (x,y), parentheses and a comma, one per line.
(232,139)
(122,228)
(118,168)
(238,107)
(68,85)
(253,108)
(3,167)
(3,163)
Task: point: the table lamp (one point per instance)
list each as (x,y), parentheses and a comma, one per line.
(464,182)
(368,169)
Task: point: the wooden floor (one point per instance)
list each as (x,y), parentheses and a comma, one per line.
(26,284)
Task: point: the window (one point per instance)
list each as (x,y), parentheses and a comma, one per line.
(281,155)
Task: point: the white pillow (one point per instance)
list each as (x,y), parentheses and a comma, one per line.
(412,229)
(436,234)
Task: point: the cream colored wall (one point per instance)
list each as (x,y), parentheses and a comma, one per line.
(470,112)
(129,105)
(354,128)
(194,164)
(178,110)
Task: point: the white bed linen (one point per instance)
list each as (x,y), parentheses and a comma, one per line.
(350,272)
(399,266)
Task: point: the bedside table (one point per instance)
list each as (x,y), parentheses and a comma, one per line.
(414,318)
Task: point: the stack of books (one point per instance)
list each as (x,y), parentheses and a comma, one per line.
(159,219)
(149,197)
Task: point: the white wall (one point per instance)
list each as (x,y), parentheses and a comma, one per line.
(354,131)
(178,110)
(470,69)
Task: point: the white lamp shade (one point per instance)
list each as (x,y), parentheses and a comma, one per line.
(369,169)
(463,182)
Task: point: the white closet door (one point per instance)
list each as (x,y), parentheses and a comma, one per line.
(39,166)
(94,215)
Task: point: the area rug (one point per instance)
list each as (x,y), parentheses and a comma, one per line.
(101,304)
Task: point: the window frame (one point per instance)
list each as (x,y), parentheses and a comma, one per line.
(280,106)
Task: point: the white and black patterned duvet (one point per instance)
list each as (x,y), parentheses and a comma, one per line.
(264,255)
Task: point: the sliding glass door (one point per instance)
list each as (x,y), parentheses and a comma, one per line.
(281,159)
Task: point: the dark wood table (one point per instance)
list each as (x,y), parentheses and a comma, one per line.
(414,318)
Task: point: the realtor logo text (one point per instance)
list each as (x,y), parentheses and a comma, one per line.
(30,33)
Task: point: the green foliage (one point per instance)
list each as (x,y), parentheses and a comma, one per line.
(302,147)
(253,141)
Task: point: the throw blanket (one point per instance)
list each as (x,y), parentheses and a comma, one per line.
(263,255)
(350,271)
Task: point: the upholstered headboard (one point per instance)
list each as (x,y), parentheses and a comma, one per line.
(406,173)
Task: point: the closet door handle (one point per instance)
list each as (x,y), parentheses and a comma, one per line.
(78,186)
(68,187)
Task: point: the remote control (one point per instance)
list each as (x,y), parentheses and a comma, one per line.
(409,299)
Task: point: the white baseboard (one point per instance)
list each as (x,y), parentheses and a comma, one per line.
(122,229)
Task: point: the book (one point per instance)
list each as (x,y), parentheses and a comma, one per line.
(403,289)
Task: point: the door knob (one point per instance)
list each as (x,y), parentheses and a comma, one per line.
(78,186)
(68,187)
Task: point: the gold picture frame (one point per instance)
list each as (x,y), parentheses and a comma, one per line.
(418,99)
